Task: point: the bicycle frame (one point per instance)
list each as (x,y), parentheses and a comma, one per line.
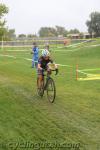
(48,85)
(45,80)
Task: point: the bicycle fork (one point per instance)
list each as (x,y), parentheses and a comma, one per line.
(45,84)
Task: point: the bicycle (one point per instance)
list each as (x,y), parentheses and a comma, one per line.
(48,85)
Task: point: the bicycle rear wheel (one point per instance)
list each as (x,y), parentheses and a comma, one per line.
(40,88)
(51,90)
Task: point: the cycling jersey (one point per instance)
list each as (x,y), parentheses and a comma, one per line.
(44,62)
(35,53)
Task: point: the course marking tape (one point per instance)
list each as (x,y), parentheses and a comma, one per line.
(63,65)
(17,50)
(89,76)
(84,72)
(8,56)
(92,78)
(28,59)
(74,45)
(93,45)
(90,69)
(68,50)
(56,64)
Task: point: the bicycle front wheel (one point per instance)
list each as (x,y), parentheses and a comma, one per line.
(51,90)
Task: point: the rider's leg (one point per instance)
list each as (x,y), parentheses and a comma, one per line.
(32,63)
(36,64)
(39,81)
(40,78)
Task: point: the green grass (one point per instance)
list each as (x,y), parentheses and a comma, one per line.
(73,118)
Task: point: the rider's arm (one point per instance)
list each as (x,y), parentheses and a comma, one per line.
(36,50)
(32,52)
(39,66)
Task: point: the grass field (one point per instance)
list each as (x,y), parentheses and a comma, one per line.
(72,122)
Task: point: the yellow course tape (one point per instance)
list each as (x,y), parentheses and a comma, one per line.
(94,77)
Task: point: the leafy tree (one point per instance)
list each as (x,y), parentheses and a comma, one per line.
(73,31)
(94,24)
(11,33)
(52,32)
(47,32)
(31,35)
(3,10)
(61,31)
(58,30)
(22,35)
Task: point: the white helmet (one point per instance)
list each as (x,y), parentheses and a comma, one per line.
(45,53)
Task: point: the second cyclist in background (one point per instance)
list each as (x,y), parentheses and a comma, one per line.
(35,52)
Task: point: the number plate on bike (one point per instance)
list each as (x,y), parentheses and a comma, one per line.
(51,66)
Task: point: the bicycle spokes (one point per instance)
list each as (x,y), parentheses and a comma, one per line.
(48,85)
(51,90)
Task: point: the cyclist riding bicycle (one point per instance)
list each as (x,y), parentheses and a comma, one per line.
(45,63)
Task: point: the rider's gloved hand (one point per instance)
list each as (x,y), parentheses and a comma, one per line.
(57,71)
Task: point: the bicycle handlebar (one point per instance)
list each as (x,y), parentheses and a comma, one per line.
(56,70)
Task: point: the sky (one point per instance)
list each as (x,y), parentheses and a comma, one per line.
(28,16)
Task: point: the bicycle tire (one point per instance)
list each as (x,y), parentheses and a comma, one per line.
(51,90)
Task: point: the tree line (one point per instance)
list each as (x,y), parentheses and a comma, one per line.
(5,33)
(93,25)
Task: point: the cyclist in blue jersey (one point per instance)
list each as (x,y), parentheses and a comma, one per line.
(35,52)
